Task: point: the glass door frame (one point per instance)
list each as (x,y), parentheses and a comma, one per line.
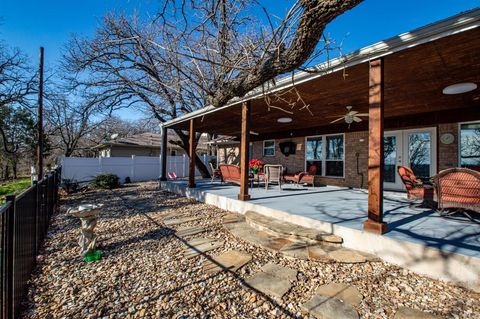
(403,154)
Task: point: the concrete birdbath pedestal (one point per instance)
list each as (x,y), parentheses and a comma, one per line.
(87,214)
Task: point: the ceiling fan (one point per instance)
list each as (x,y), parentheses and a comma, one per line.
(350,117)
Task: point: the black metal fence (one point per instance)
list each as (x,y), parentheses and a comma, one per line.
(24,221)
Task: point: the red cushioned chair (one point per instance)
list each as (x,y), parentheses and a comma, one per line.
(303,177)
(414,186)
(458,188)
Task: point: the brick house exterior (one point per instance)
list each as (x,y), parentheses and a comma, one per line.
(355,156)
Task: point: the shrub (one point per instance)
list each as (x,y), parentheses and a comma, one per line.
(128,180)
(106,181)
(70,185)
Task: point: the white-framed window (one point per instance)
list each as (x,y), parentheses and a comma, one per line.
(469,145)
(269,148)
(325,155)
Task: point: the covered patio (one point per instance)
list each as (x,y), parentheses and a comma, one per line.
(397,82)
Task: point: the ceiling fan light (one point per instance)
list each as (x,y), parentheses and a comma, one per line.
(284,120)
(459,88)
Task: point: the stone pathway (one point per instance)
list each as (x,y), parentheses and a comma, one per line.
(231,270)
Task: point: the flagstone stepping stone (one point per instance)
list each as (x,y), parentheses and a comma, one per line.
(410,313)
(295,250)
(273,279)
(280,271)
(188,231)
(319,253)
(231,260)
(347,256)
(243,231)
(178,221)
(285,229)
(269,284)
(201,245)
(233,218)
(344,292)
(322,307)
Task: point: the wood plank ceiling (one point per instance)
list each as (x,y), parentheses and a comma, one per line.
(414,80)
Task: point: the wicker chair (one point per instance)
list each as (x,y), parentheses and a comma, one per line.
(303,177)
(273,174)
(458,188)
(415,187)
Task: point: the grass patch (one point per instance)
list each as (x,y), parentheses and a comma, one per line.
(15,187)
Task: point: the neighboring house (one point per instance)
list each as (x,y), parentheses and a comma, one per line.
(144,144)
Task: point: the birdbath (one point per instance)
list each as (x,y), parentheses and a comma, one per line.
(87,214)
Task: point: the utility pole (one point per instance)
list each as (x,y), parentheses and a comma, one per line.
(40,118)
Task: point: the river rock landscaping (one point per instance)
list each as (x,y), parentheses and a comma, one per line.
(166,256)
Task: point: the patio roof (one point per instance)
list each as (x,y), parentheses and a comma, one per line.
(418,65)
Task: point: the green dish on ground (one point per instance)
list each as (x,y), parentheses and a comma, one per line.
(92,256)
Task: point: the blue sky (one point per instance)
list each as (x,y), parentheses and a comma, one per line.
(29,24)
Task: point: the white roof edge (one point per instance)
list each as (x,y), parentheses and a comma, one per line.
(456,24)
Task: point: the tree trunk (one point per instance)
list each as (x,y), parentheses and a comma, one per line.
(202,168)
(14,169)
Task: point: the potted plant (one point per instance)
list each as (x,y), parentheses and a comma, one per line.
(255,165)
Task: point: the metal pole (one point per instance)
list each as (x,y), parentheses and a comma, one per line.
(40,118)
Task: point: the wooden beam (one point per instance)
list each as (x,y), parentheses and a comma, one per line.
(244,149)
(163,176)
(191,153)
(375,222)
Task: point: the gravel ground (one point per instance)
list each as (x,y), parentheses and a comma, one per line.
(144,274)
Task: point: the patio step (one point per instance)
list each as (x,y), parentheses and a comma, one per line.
(291,231)
(320,251)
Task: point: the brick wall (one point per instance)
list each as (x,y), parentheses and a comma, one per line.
(293,163)
(448,153)
(355,143)
(296,162)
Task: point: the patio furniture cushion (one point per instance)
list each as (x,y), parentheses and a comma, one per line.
(458,188)
(230,173)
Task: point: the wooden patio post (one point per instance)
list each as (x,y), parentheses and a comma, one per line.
(192,147)
(375,222)
(244,149)
(163,176)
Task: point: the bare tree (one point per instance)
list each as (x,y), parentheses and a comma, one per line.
(115,73)
(17,84)
(68,122)
(196,53)
(244,51)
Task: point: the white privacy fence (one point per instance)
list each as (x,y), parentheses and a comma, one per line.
(138,168)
